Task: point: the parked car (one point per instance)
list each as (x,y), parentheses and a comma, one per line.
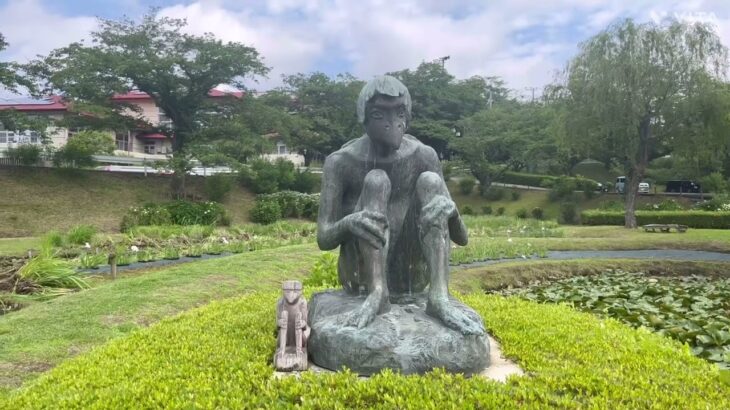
(683,186)
(620,186)
(644,187)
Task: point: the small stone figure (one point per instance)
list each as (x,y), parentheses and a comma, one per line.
(291,315)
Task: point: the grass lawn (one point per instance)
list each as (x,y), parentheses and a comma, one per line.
(36,200)
(18,246)
(43,334)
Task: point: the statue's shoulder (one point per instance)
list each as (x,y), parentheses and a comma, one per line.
(353,149)
(422,150)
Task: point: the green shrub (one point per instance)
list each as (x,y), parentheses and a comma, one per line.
(53,239)
(487,210)
(219,356)
(447,169)
(218,186)
(546,181)
(80,148)
(521,213)
(500,211)
(176,213)
(693,219)
(324,272)
(46,270)
(493,193)
(716,183)
(81,234)
(537,212)
(515,195)
(25,154)
(718,203)
(294,204)
(266,211)
(145,215)
(265,177)
(466,185)
(665,205)
(563,188)
(568,212)
(467,210)
(305,182)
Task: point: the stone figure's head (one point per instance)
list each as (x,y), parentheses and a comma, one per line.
(292,290)
(384,108)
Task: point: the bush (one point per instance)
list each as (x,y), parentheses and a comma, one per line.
(81,146)
(515,195)
(217,187)
(719,203)
(563,188)
(693,219)
(487,210)
(492,193)
(266,211)
(81,234)
(175,213)
(53,239)
(537,212)
(294,204)
(447,169)
(219,355)
(665,205)
(466,210)
(25,154)
(546,181)
(264,177)
(568,212)
(500,211)
(715,182)
(521,213)
(305,182)
(466,185)
(324,273)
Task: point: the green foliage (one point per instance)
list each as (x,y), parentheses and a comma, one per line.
(171,253)
(515,195)
(52,239)
(88,260)
(694,310)
(505,226)
(305,181)
(719,203)
(466,185)
(487,210)
(665,205)
(563,188)
(265,212)
(265,177)
(500,211)
(492,249)
(81,146)
(467,210)
(547,181)
(217,187)
(176,213)
(613,365)
(537,212)
(25,154)
(568,212)
(521,213)
(716,183)
(324,272)
(48,271)
(693,219)
(81,234)
(493,193)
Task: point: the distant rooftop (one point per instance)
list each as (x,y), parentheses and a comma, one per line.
(21,103)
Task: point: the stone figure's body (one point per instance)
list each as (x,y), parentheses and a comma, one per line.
(385,203)
(291,320)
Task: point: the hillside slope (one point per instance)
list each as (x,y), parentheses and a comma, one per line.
(36,200)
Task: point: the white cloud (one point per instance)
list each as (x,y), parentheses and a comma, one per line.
(522,40)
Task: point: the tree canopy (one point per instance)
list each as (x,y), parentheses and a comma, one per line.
(633,91)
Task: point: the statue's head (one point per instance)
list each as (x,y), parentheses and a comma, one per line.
(292,291)
(384,108)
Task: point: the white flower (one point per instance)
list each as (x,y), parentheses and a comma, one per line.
(87,245)
(509,240)
(134,248)
(224,240)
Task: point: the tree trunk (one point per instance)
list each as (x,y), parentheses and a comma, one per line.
(179,165)
(636,173)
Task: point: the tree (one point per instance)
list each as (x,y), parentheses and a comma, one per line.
(80,148)
(440,101)
(325,112)
(177,70)
(10,78)
(631,89)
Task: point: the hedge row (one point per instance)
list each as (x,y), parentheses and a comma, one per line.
(545,181)
(270,208)
(219,356)
(693,219)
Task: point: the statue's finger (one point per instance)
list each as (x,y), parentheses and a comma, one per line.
(375,230)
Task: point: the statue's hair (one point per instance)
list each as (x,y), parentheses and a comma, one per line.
(385,85)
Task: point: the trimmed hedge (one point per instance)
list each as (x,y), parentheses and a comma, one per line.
(693,219)
(219,356)
(285,204)
(545,181)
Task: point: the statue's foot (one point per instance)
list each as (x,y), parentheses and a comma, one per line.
(376,302)
(443,309)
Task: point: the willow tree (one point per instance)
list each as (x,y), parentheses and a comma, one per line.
(156,56)
(630,92)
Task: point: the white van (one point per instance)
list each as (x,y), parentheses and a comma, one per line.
(620,185)
(644,188)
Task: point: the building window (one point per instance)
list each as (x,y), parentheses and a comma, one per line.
(149,147)
(163,120)
(281,149)
(122,142)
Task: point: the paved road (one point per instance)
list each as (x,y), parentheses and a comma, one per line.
(659,255)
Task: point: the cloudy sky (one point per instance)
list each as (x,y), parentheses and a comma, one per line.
(523,41)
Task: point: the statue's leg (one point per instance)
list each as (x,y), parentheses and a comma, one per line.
(434,238)
(298,334)
(283,331)
(374,197)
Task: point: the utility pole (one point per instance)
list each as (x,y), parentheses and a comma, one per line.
(443,60)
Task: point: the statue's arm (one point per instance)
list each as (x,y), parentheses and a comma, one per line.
(331,230)
(457,229)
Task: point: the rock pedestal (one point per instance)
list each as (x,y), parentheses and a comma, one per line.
(404,339)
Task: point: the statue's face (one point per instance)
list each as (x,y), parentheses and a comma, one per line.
(385,121)
(292,295)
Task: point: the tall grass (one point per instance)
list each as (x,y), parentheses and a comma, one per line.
(81,234)
(511,227)
(47,271)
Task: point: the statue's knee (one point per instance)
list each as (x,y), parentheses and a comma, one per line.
(376,184)
(429,184)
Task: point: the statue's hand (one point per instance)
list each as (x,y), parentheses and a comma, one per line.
(282,322)
(438,211)
(369,226)
(301,324)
